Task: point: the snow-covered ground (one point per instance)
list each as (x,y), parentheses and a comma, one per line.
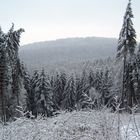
(77,125)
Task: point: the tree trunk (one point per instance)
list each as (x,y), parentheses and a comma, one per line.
(2,93)
(123,96)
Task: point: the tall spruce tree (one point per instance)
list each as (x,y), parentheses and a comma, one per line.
(16,98)
(3,77)
(125,51)
(10,72)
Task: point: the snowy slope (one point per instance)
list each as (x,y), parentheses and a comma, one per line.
(82,125)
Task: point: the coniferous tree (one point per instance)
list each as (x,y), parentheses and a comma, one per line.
(26,79)
(27,86)
(16,97)
(138,74)
(101,81)
(3,77)
(44,96)
(69,94)
(106,85)
(125,51)
(10,70)
(59,82)
(95,81)
(31,99)
(82,89)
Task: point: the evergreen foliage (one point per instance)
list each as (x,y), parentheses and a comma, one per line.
(44,96)
(101,81)
(31,95)
(69,94)
(59,83)
(10,70)
(82,92)
(126,52)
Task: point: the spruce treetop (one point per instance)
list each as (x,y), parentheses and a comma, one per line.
(127,37)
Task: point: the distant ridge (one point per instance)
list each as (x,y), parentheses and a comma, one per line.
(60,51)
(65,40)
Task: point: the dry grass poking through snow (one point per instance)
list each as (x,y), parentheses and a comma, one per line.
(81,125)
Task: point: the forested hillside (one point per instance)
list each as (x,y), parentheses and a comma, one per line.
(67,52)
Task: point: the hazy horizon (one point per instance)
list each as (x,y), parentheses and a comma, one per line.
(66,38)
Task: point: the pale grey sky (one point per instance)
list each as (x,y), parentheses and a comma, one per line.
(53,19)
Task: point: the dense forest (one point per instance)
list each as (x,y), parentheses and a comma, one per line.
(39,92)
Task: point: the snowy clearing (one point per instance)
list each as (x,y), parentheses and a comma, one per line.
(82,125)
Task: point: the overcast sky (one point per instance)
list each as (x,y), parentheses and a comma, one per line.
(53,19)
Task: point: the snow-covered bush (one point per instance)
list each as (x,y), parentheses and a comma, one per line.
(76,125)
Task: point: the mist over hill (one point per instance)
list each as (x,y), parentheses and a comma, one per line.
(67,51)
